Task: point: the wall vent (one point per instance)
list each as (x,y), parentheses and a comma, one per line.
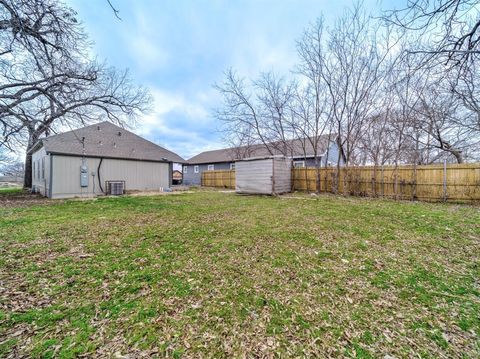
(115,188)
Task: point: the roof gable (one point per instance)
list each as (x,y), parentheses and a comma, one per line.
(105,139)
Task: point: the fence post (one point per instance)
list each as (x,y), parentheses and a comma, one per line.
(445,180)
(374,179)
(383,184)
(414,188)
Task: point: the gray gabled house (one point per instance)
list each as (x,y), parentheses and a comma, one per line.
(300,151)
(93,160)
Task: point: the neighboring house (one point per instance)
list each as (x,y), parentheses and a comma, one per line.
(300,151)
(84,162)
(177,177)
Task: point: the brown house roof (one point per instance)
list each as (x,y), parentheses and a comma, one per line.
(177,175)
(298,148)
(107,140)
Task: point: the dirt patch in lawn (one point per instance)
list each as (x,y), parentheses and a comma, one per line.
(21,198)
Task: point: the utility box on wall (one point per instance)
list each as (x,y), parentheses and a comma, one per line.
(266,175)
(83,175)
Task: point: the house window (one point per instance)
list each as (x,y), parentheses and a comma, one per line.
(195,169)
(299,164)
(38,169)
(43,167)
(232,166)
(185,169)
(34,173)
(210,167)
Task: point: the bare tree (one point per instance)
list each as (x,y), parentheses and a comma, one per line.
(448,30)
(274,97)
(441,118)
(466,87)
(353,70)
(256,114)
(48,81)
(3,155)
(355,84)
(13,168)
(375,145)
(312,118)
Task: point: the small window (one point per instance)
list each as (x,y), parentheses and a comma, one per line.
(43,167)
(195,169)
(34,173)
(299,164)
(185,169)
(211,167)
(38,169)
(232,166)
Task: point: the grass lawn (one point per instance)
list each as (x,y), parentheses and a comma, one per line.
(10,190)
(210,274)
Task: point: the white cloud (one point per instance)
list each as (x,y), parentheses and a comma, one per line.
(147,54)
(180,123)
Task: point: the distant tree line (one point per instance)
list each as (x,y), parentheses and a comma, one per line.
(400,88)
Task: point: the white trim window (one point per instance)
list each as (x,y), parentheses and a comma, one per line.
(211,168)
(232,165)
(299,164)
(43,168)
(185,169)
(195,169)
(38,169)
(34,173)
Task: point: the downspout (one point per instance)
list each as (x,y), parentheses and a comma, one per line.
(50,188)
(99,177)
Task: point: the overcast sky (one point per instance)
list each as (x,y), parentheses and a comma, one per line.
(179,49)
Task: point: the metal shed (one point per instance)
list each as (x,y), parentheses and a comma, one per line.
(263,175)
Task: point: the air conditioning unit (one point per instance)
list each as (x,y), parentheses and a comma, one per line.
(115,188)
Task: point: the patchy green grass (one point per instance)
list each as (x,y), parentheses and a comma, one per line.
(211,274)
(10,190)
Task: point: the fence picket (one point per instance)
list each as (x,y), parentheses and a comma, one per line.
(457,182)
(219,179)
(460,181)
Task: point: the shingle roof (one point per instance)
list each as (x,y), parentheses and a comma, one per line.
(300,148)
(105,139)
(177,175)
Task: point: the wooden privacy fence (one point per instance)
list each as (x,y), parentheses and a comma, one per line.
(219,178)
(456,182)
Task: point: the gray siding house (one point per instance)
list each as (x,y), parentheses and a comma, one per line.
(300,151)
(82,162)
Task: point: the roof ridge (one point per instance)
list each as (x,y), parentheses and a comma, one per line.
(273,143)
(151,142)
(127,145)
(80,128)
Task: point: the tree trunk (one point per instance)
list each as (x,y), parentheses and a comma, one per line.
(32,140)
(337,180)
(27,178)
(458,155)
(395,181)
(317,174)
